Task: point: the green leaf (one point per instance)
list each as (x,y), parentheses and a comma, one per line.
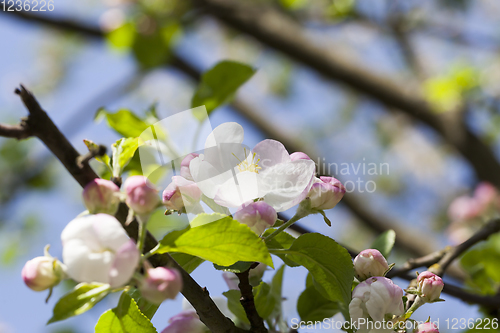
(103,159)
(81,299)
(124,122)
(385,242)
(152,50)
(328,262)
(123,151)
(234,305)
(125,318)
(276,291)
(312,306)
(122,37)
(264,300)
(238,267)
(281,241)
(205,218)
(222,242)
(187,261)
(147,308)
(219,83)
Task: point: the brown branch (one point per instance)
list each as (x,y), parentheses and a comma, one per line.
(39,123)
(248,303)
(41,126)
(15,131)
(489,229)
(413,263)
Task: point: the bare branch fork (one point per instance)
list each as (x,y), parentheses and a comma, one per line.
(39,124)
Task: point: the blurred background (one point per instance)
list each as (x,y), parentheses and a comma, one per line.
(400,98)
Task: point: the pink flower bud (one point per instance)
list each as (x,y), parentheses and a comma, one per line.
(370,263)
(142,197)
(42,273)
(160,284)
(184,172)
(430,285)
(101,196)
(185,322)
(374,299)
(181,193)
(486,195)
(257,215)
(326,193)
(427,328)
(464,208)
(299,156)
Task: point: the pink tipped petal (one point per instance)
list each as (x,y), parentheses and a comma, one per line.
(299,156)
(124,265)
(270,153)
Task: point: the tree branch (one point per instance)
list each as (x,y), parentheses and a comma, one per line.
(19,132)
(41,126)
(248,303)
(489,229)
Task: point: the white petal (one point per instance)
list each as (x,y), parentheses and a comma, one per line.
(110,232)
(233,193)
(86,266)
(225,133)
(285,183)
(124,264)
(270,153)
(82,228)
(207,177)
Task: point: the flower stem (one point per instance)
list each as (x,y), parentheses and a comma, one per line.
(298,215)
(141,237)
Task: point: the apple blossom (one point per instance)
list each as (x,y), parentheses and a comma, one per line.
(299,156)
(430,286)
(101,196)
(232,175)
(142,197)
(427,328)
(257,215)
(185,322)
(325,193)
(96,248)
(370,263)
(181,193)
(374,299)
(184,170)
(42,273)
(160,284)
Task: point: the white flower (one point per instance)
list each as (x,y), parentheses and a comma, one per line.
(374,299)
(231,174)
(96,248)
